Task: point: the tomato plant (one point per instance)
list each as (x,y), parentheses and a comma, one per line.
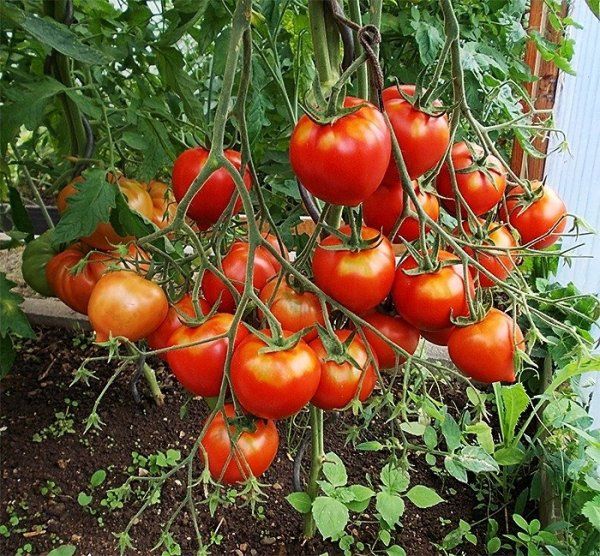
(278,328)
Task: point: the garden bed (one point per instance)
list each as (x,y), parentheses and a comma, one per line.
(47,461)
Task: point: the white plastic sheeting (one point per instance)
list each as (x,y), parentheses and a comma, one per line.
(576,174)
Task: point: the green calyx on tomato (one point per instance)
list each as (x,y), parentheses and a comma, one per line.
(36,256)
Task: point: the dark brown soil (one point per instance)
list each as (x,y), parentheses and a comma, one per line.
(38,389)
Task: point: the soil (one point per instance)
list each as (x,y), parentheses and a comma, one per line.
(34,455)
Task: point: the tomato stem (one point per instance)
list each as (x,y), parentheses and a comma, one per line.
(150,377)
(316,464)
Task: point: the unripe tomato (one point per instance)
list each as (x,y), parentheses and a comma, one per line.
(358,279)
(36,256)
(125,304)
(74,288)
(429,300)
(209,203)
(274,384)
(160,338)
(423,139)
(485,351)
(105,237)
(499,263)
(294,310)
(481,189)
(254,446)
(163,203)
(234,267)
(340,378)
(536,219)
(396,329)
(438,337)
(342,162)
(199,368)
(382,209)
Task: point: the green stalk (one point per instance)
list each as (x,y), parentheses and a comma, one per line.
(318,29)
(316,464)
(150,377)
(362,76)
(550,505)
(317,452)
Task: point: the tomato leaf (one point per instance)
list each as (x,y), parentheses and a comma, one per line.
(18,212)
(128,222)
(477,460)
(423,497)
(8,355)
(64,550)
(56,35)
(12,317)
(334,470)
(90,205)
(300,501)
(331,516)
(591,510)
(390,507)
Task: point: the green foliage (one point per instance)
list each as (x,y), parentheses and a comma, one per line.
(13,324)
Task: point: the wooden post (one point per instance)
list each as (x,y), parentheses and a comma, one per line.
(542,90)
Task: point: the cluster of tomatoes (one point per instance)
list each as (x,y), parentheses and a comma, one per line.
(276,371)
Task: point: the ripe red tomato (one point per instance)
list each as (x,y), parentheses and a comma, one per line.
(234,267)
(396,329)
(216,192)
(485,351)
(199,368)
(73,289)
(125,304)
(423,139)
(382,209)
(159,339)
(499,263)
(255,446)
(481,190)
(281,249)
(274,384)
(427,301)
(358,279)
(438,337)
(538,218)
(342,162)
(294,310)
(340,379)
